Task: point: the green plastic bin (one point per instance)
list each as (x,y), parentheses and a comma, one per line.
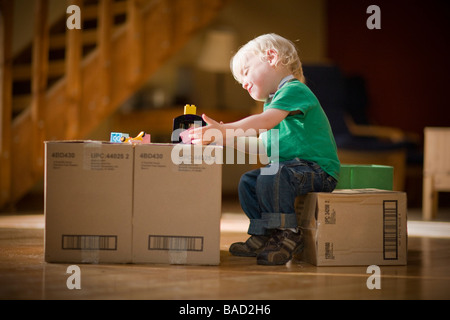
(354,176)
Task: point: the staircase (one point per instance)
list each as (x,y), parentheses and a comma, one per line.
(69,80)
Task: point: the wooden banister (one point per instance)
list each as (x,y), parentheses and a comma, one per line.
(92,12)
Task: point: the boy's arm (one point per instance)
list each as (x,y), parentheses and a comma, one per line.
(249,126)
(265,120)
(250,145)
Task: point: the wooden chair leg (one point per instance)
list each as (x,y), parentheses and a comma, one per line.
(429,199)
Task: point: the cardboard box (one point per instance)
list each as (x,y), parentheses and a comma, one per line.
(366,176)
(177,204)
(353,227)
(123,203)
(88,202)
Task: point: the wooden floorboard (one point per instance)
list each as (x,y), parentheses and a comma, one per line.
(25,275)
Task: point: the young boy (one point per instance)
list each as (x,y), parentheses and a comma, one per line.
(299,143)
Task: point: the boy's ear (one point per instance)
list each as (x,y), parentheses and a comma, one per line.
(272,57)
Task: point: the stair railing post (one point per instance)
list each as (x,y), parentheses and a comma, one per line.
(104,43)
(6,31)
(135,40)
(73,58)
(39,85)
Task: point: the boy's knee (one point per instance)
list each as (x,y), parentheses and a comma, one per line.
(244,180)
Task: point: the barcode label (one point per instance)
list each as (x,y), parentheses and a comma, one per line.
(329,254)
(89,242)
(178,243)
(390,230)
(330,215)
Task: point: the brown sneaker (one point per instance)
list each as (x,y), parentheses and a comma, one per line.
(281,247)
(249,248)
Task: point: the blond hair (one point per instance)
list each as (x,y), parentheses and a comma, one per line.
(286,51)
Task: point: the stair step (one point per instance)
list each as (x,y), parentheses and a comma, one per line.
(23,72)
(21,102)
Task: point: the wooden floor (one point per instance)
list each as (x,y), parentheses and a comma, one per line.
(25,275)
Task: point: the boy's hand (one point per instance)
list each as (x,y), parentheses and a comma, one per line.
(213,132)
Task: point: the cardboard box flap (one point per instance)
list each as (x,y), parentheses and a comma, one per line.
(363,191)
(78,141)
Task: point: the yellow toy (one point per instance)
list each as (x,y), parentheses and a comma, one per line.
(142,137)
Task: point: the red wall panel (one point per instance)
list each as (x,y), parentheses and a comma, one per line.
(406,63)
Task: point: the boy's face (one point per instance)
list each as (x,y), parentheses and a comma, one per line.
(259,78)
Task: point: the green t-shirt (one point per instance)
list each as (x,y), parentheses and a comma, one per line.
(305,133)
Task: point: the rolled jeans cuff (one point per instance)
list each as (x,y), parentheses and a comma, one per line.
(272,221)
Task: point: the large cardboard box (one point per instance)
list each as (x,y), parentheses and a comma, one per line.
(354,227)
(177,204)
(88,202)
(122,203)
(354,176)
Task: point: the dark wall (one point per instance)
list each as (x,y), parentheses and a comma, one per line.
(406,63)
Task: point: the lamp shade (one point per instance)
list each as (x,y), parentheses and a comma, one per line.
(217,51)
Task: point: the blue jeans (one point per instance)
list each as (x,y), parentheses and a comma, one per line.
(268,200)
